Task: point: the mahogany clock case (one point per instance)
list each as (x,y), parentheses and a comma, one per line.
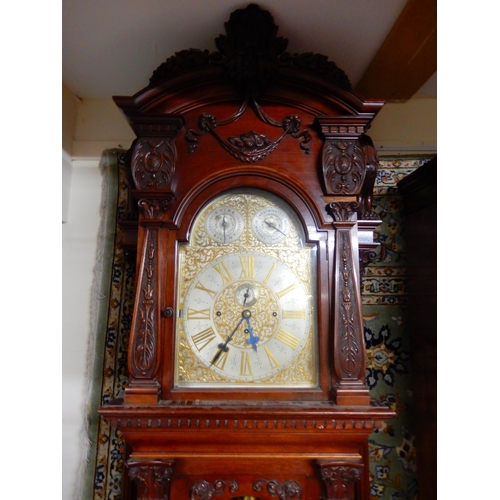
(249,120)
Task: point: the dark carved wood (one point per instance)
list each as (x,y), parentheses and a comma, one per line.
(249,146)
(348,349)
(152,478)
(203,490)
(365,198)
(343,167)
(153,163)
(250,55)
(250,115)
(287,490)
(340,480)
(366,257)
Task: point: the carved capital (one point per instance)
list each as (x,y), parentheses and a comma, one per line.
(284,491)
(152,478)
(153,162)
(342,211)
(153,208)
(203,490)
(340,480)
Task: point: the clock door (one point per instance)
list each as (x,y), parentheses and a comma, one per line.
(247,298)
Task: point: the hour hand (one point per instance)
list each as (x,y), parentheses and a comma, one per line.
(253,338)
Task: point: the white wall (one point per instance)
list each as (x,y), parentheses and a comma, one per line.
(399,128)
(99,125)
(79,237)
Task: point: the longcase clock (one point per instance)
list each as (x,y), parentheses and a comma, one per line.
(253,177)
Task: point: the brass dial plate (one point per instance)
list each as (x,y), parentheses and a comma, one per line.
(271,280)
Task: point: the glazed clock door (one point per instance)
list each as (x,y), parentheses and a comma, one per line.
(246,298)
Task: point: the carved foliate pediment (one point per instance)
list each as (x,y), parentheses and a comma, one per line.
(251,55)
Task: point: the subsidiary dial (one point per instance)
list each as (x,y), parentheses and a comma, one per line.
(224,224)
(271,225)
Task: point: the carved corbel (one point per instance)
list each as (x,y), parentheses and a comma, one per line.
(340,480)
(152,478)
(349,386)
(153,163)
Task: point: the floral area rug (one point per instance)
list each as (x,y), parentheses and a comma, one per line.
(392,449)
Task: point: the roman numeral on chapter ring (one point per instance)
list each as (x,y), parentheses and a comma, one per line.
(198,314)
(288,339)
(203,338)
(245,368)
(247,266)
(224,273)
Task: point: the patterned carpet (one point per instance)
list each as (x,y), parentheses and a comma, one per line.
(392,448)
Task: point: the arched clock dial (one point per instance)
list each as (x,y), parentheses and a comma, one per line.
(271,225)
(224,224)
(246,308)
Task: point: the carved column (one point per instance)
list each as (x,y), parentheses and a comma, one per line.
(348,171)
(153,165)
(152,478)
(349,388)
(340,480)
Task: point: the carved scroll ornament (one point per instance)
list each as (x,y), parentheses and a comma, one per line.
(287,490)
(203,490)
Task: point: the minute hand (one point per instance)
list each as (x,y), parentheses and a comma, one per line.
(270,224)
(223,346)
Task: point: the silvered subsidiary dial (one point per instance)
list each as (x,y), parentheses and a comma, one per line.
(224,224)
(271,225)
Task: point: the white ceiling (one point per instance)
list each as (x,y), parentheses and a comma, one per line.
(112,47)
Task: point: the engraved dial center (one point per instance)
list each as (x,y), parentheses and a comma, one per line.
(261,303)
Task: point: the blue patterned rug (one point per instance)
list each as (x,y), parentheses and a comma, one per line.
(392,449)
